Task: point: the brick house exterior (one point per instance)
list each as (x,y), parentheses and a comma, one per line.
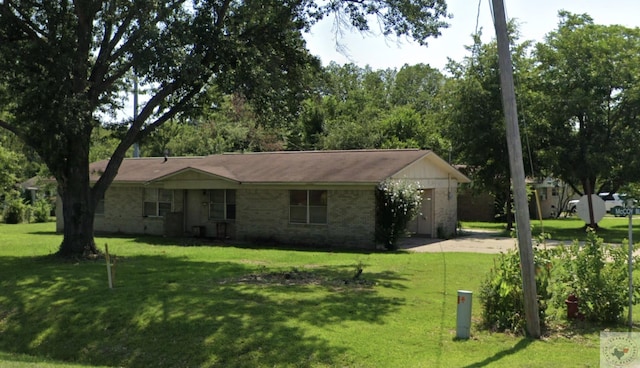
(314,198)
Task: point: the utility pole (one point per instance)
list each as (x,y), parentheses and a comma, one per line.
(517,172)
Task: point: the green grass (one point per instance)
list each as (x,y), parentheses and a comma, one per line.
(218,306)
(611,229)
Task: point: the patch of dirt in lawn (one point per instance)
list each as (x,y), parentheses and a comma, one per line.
(301,278)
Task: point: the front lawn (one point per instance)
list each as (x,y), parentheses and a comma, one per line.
(611,229)
(232,306)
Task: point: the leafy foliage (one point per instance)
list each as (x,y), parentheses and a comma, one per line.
(397,202)
(356,108)
(597,274)
(9,167)
(233,127)
(15,209)
(417,19)
(476,127)
(587,89)
(41,210)
(502,296)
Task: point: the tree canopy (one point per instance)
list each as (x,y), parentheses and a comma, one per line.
(357,107)
(588,89)
(476,127)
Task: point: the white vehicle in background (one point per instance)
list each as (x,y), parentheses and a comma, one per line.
(572,205)
(610,201)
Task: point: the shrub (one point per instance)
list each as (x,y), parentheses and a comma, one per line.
(397,202)
(597,274)
(41,210)
(15,210)
(501,293)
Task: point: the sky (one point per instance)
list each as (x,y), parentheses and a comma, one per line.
(536,18)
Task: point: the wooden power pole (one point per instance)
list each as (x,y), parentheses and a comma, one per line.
(517,171)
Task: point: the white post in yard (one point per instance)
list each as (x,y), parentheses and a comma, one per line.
(108,259)
(463,322)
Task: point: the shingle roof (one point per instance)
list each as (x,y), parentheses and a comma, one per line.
(355,166)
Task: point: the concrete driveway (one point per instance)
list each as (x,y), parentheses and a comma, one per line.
(473,241)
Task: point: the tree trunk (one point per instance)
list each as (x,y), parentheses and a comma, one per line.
(588,188)
(509,211)
(78,209)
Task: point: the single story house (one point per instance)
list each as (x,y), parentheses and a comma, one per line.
(552,198)
(312,197)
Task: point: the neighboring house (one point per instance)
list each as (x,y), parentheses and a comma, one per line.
(553,196)
(474,206)
(36,188)
(31,187)
(313,197)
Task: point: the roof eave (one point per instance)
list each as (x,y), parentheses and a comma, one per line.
(308,183)
(189,168)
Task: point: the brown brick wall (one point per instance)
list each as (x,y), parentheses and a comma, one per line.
(475,206)
(123,212)
(263,214)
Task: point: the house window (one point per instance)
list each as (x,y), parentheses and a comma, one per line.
(308,206)
(543,194)
(222,204)
(99,210)
(157,202)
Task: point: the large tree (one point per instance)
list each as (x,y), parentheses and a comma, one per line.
(589,89)
(354,100)
(476,126)
(417,86)
(358,107)
(67,63)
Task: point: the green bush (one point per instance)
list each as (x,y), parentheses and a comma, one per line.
(597,274)
(15,210)
(501,293)
(41,210)
(397,203)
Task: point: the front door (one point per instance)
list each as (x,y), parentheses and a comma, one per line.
(196,202)
(425,218)
(422,225)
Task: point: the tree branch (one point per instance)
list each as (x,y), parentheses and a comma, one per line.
(105,56)
(132,135)
(11,128)
(178,107)
(115,75)
(100,67)
(86,16)
(11,9)
(222,14)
